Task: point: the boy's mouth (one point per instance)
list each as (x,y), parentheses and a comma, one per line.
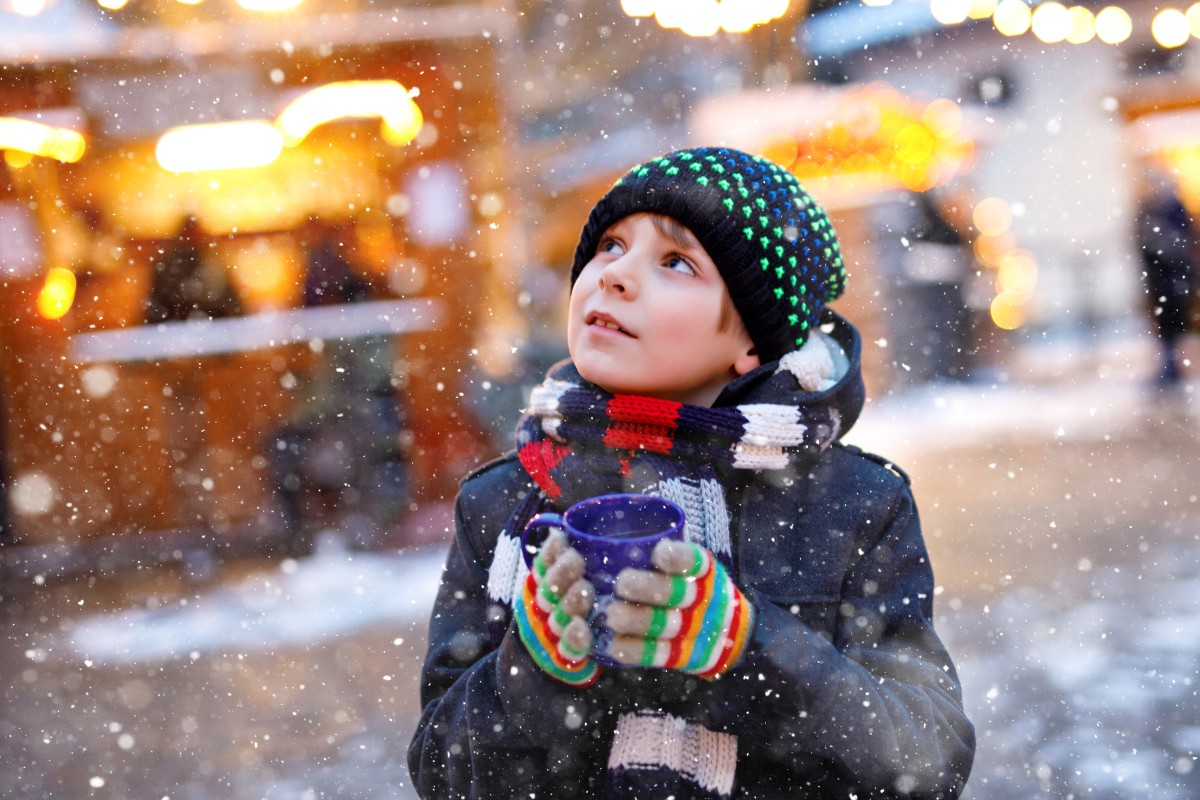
(605,321)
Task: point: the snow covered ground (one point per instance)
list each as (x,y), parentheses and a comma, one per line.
(333,593)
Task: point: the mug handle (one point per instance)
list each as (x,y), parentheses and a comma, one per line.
(529,548)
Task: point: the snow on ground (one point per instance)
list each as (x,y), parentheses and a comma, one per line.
(1090,691)
(941,415)
(332,593)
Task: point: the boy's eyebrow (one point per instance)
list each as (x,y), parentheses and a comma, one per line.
(674,230)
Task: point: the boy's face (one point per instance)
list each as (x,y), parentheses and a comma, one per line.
(645,317)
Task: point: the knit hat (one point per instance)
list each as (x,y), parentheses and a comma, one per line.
(770,240)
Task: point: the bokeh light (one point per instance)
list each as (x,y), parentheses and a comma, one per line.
(58,293)
(992,216)
(982,9)
(35,139)
(877,3)
(943,116)
(672,13)
(222,145)
(1113,25)
(1051,22)
(990,250)
(704,19)
(781,148)
(28,8)
(1193,20)
(1012,17)
(112,5)
(950,12)
(737,16)
(1170,28)
(1017,274)
(402,119)
(1008,311)
(1083,25)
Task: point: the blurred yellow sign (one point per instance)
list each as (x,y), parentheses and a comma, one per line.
(332,174)
(881,138)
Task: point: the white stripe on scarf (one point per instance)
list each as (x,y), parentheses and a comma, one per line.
(650,740)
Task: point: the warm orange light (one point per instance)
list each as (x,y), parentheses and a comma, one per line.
(1017,274)
(992,216)
(34,138)
(387,100)
(58,293)
(219,145)
(989,250)
(1008,311)
(781,148)
(882,137)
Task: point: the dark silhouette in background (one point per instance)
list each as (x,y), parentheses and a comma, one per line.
(1167,242)
(189,286)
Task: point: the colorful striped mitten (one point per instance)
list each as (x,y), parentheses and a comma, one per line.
(689,616)
(552,613)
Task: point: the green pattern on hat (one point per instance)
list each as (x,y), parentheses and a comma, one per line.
(774,245)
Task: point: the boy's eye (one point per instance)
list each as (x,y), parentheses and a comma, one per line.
(611,246)
(680,265)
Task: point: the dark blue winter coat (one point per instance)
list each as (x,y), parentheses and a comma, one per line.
(844,691)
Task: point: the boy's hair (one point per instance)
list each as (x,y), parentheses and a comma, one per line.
(773,245)
(680,235)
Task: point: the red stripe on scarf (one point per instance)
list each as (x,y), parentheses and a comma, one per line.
(646,410)
(641,423)
(538,458)
(630,436)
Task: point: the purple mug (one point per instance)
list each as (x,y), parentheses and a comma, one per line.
(611,532)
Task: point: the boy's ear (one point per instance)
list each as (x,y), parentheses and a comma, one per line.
(747,361)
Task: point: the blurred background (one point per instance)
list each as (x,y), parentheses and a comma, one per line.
(276,274)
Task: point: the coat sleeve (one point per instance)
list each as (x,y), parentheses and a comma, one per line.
(493,725)
(880,705)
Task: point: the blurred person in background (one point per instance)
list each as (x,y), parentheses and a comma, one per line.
(189,286)
(1168,243)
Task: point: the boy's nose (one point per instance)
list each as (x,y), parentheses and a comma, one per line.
(617,276)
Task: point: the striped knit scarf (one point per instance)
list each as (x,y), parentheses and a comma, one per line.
(577,441)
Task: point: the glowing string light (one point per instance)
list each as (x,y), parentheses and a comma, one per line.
(36,139)
(1113,25)
(1083,25)
(1193,20)
(223,145)
(950,12)
(1012,17)
(387,100)
(1051,22)
(1170,28)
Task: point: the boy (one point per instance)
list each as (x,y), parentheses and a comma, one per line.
(786,649)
